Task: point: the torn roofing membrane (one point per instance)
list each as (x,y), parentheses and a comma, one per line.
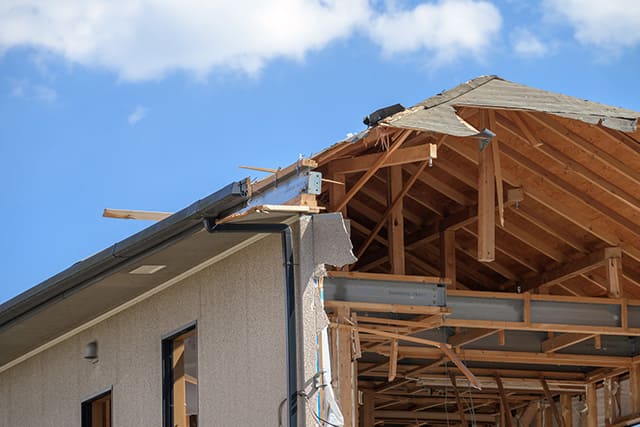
(438,114)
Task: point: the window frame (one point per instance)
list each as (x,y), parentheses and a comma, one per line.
(167,371)
(85,406)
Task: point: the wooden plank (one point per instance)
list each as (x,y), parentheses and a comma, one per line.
(395,226)
(563,341)
(463,368)
(424,415)
(469,336)
(529,414)
(504,403)
(634,388)
(459,401)
(364,162)
(522,357)
(571,269)
(486,205)
(552,404)
(393,360)
(448,256)
(393,212)
(397,142)
(367,417)
(567,409)
(495,152)
(613,267)
(344,374)
(132,214)
(608,402)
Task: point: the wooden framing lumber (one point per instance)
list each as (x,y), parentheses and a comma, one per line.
(344,373)
(393,360)
(486,205)
(552,404)
(634,388)
(399,157)
(132,214)
(397,142)
(559,342)
(424,415)
(504,403)
(448,255)
(567,409)
(571,269)
(459,402)
(613,268)
(395,226)
(469,336)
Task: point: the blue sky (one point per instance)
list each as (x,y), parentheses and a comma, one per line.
(152,105)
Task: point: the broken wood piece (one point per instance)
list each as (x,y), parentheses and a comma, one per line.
(259,169)
(133,214)
(552,405)
(393,360)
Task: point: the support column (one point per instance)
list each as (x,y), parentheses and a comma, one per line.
(614,271)
(396,222)
(567,409)
(448,256)
(634,382)
(344,373)
(592,404)
(486,206)
(367,418)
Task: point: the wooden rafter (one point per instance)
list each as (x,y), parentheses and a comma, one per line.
(559,342)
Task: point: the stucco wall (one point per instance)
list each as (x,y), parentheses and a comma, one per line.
(238,304)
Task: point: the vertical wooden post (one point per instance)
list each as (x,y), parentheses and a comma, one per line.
(567,409)
(486,206)
(634,385)
(448,256)
(393,360)
(459,402)
(552,404)
(344,374)
(396,222)
(540,416)
(592,404)
(368,419)
(504,403)
(608,402)
(614,266)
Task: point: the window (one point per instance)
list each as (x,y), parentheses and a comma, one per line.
(180,379)
(96,412)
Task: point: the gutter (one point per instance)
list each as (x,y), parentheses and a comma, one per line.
(290,299)
(158,236)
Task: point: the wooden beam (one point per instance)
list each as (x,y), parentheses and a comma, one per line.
(397,142)
(634,388)
(486,205)
(469,336)
(393,360)
(497,168)
(131,214)
(613,267)
(504,403)
(344,374)
(459,401)
(395,226)
(529,414)
(423,415)
(567,409)
(609,412)
(571,269)
(367,416)
(522,357)
(448,256)
(559,342)
(364,162)
(552,404)
(393,211)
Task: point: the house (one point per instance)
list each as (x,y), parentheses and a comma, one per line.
(496,281)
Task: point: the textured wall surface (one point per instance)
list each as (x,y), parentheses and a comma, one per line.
(239,306)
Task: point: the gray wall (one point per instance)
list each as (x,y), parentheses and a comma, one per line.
(239,306)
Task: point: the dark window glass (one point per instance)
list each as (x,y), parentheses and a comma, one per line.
(180,379)
(96,412)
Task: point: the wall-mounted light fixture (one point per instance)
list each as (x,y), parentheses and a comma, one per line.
(91,350)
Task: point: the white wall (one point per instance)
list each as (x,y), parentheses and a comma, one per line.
(239,306)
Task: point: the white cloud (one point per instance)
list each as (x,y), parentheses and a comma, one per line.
(147,39)
(137,114)
(612,24)
(527,44)
(450,29)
